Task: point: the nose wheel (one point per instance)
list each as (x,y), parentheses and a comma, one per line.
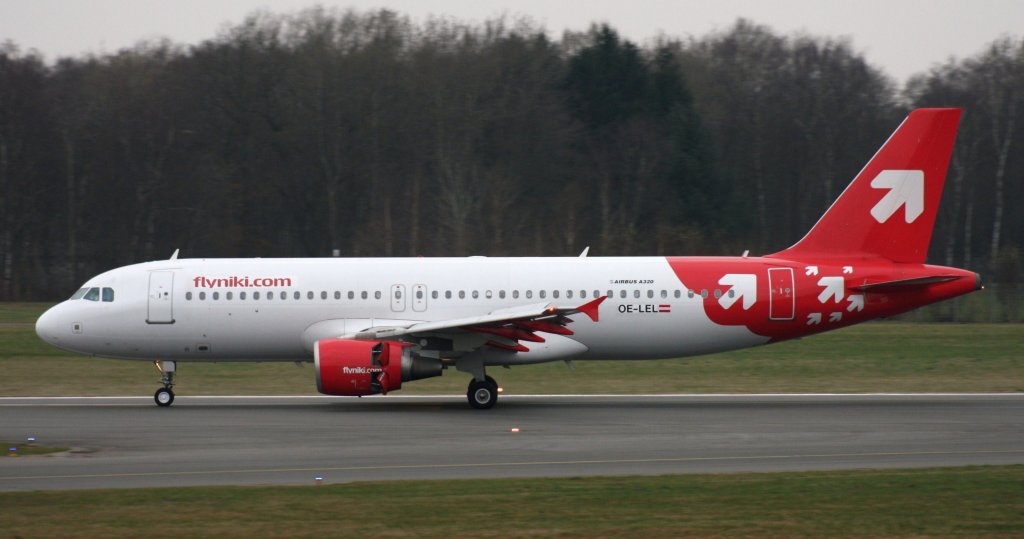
(164,396)
(482,394)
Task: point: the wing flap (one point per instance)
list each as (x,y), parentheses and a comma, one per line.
(514,324)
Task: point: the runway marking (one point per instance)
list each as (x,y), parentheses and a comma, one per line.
(66,400)
(516,464)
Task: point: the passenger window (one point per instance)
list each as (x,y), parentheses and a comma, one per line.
(309,295)
(487,294)
(529,294)
(297,295)
(376,295)
(718,293)
(227,296)
(337,294)
(622,293)
(323,294)
(202,295)
(419,294)
(597,293)
(583,294)
(433,294)
(650,294)
(398,294)
(363,294)
(636,293)
(677,294)
(188,296)
(501,294)
(542,294)
(351,294)
(79,293)
(515,294)
(554,294)
(664,293)
(568,294)
(462,294)
(270,296)
(284,295)
(108,294)
(476,294)
(447,294)
(241,296)
(704,293)
(216,295)
(255,295)
(689,293)
(93,294)
(732,293)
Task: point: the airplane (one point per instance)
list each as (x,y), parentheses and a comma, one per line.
(371,324)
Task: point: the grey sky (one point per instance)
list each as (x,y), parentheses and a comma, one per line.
(902,37)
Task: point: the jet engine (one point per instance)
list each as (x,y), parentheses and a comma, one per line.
(355,368)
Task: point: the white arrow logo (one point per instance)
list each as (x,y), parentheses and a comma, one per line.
(847,269)
(834,287)
(813,319)
(856,302)
(906,188)
(835,317)
(743,285)
(811,270)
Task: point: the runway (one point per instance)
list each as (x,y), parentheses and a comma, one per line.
(130,442)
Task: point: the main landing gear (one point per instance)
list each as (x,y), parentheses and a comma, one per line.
(164,396)
(482,394)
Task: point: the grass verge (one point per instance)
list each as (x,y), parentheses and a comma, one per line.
(874,357)
(23,449)
(943,502)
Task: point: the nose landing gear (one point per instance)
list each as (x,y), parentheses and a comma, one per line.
(164,396)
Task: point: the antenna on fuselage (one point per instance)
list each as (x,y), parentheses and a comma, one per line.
(585,251)
(175,255)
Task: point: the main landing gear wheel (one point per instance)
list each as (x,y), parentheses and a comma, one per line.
(482,395)
(163,396)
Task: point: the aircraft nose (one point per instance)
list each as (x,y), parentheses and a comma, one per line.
(46,326)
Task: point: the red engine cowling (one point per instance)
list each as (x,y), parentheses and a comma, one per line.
(355,368)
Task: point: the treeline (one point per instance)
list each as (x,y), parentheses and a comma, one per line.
(368,135)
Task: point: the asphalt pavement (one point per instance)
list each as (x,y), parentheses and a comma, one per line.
(129,442)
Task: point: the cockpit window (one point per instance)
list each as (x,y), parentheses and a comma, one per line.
(108,294)
(79,293)
(93,294)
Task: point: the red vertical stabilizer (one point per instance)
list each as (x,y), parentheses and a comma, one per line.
(889,209)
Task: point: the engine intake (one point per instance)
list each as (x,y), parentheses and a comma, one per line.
(355,368)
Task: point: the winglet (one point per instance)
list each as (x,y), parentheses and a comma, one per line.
(590,309)
(174,256)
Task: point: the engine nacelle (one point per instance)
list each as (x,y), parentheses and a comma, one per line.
(354,368)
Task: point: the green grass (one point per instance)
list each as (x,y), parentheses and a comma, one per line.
(960,502)
(875,357)
(21,313)
(25,449)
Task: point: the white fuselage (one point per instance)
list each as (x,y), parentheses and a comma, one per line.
(208,310)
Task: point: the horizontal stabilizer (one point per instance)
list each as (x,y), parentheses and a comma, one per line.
(906,283)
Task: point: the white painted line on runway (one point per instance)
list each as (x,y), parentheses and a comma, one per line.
(520,396)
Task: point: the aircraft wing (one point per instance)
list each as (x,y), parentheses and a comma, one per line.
(503,328)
